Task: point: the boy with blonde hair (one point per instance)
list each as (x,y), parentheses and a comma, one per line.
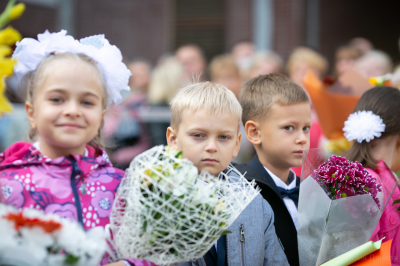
(277,119)
(205,127)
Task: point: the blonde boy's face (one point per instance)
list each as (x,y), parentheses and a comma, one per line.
(284,135)
(209,141)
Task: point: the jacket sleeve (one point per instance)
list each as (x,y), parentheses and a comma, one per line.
(273,253)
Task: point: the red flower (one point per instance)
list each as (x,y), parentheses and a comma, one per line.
(21,221)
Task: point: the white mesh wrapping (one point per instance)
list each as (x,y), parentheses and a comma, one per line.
(178,217)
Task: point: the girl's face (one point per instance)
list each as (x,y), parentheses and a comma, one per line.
(67,107)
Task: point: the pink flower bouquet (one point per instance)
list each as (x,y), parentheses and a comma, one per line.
(339,207)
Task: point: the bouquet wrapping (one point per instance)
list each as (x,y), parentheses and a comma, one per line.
(31,238)
(167,213)
(340,204)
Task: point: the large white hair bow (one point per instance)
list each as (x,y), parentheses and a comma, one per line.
(30,52)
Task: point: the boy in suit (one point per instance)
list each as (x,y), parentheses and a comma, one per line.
(277,119)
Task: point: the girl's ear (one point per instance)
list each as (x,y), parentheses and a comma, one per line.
(172,139)
(31,117)
(252,129)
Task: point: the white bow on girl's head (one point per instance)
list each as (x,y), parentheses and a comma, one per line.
(363,125)
(30,52)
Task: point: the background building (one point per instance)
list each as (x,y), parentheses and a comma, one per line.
(151,28)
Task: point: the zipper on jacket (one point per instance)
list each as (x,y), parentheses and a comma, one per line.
(242,241)
(76,171)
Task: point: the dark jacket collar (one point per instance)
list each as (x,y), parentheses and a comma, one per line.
(265,177)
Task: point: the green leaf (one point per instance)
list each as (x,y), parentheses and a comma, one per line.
(4,17)
(398,209)
(71,259)
(144,226)
(332,191)
(396,201)
(225,232)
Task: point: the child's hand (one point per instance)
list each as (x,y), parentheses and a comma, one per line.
(116,264)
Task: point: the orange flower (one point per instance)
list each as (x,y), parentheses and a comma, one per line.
(21,221)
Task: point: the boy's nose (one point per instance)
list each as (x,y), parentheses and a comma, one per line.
(211,146)
(302,138)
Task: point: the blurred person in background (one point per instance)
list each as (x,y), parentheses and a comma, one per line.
(141,71)
(266,63)
(166,79)
(193,60)
(374,63)
(303,59)
(243,52)
(345,59)
(224,71)
(362,44)
(124,133)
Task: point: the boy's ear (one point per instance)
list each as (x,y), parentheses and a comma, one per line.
(31,117)
(237,145)
(252,129)
(172,138)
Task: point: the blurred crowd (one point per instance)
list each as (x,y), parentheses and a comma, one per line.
(140,122)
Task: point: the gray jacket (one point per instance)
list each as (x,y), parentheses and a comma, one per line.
(259,245)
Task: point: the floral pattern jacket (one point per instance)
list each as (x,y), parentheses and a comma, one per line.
(75,187)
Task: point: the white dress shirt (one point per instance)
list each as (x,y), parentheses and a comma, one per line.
(288,201)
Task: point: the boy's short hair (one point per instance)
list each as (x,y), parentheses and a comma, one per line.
(215,98)
(259,94)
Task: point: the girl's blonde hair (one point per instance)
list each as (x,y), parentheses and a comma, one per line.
(33,79)
(382,101)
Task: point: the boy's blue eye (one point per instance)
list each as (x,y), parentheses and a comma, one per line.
(224,137)
(289,128)
(306,128)
(197,135)
(56,100)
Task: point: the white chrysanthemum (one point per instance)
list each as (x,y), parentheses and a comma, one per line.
(35,243)
(30,52)
(166,212)
(363,125)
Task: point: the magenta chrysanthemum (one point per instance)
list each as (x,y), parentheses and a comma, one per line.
(344,179)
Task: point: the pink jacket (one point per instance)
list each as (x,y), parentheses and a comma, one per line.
(30,179)
(390,220)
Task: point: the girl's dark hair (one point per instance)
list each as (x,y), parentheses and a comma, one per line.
(382,101)
(32,80)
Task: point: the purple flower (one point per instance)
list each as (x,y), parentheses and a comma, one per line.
(67,210)
(102,203)
(12,192)
(344,179)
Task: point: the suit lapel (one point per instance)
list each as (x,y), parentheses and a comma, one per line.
(255,163)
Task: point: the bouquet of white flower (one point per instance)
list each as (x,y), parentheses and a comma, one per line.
(29,237)
(166,212)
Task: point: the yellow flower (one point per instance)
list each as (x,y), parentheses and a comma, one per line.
(9,36)
(338,146)
(373,81)
(5,50)
(17,11)
(6,63)
(5,105)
